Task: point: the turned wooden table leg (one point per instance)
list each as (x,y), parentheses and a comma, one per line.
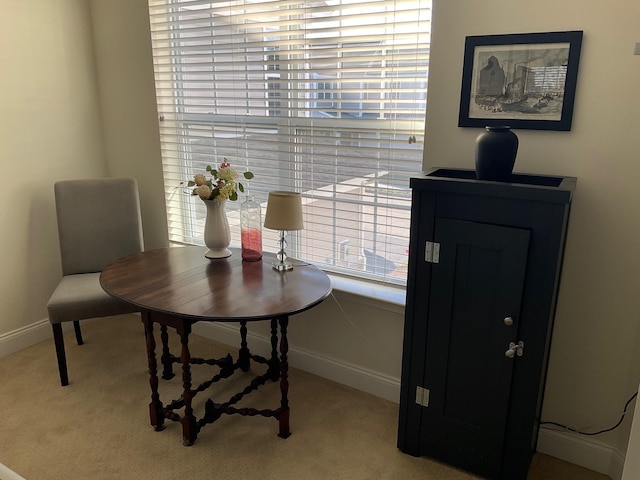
(244,356)
(274,361)
(283,417)
(167,365)
(155,407)
(189,426)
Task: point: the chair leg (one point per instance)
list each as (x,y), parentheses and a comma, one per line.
(76,328)
(62,359)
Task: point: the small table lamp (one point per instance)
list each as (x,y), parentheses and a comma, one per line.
(284,212)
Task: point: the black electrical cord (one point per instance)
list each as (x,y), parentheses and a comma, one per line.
(601,431)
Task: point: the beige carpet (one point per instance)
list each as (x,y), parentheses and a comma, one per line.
(98,427)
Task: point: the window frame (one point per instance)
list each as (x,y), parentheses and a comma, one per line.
(182,166)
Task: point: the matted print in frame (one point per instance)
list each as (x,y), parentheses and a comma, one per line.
(523,80)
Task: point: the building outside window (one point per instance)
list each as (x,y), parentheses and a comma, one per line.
(320,97)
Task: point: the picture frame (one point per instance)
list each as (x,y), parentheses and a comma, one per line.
(523,80)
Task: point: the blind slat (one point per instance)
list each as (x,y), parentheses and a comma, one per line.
(313,96)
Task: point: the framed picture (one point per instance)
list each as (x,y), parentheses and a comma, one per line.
(524,80)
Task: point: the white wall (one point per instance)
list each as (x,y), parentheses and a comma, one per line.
(357,332)
(49,130)
(591,373)
(128,102)
(52,122)
(632,463)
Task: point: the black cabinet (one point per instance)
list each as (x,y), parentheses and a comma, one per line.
(484,268)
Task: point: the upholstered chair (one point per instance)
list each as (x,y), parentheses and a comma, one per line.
(98,222)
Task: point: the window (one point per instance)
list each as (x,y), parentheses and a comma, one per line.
(324,97)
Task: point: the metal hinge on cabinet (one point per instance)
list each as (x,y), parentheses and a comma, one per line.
(422,396)
(432,252)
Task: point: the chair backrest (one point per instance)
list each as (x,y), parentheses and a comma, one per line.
(99,221)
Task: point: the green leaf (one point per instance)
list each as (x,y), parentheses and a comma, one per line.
(248,175)
(233,196)
(209,168)
(191,183)
(241,187)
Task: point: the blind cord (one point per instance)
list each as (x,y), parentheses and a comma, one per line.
(556,424)
(358,331)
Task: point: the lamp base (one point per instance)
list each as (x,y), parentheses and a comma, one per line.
(282,266)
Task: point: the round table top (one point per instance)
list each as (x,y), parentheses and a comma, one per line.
(181,282)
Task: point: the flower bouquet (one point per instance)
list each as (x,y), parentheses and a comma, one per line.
(222,185)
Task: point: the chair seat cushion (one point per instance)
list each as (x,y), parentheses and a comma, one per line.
(78,297)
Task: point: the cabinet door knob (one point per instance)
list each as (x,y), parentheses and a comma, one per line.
(508,321)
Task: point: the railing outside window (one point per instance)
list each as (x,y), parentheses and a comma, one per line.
(319,97)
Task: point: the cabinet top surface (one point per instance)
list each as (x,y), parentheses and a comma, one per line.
(522,185)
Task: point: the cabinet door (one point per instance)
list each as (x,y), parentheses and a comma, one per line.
(477,283)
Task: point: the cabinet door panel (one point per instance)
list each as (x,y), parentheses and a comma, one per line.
(476,284)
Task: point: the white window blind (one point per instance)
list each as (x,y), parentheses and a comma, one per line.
(323,97)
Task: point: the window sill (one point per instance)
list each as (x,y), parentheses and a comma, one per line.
(388,297)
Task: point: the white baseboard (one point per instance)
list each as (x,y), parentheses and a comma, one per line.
(572,448)
(616,466)
(583,451)
(362,379)
(7,474)
(24,337)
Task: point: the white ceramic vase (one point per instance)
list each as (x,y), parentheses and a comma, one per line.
(217,236)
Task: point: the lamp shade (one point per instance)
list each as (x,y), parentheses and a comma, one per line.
(284,211)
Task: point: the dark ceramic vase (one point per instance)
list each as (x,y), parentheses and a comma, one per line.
(496,150)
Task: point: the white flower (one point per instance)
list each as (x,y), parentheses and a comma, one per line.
(227,174)
(200,179)
(226,191)
(223,184)
(204,192)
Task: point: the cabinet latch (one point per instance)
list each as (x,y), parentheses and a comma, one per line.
(422,396)
(515,349)
(432,252)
